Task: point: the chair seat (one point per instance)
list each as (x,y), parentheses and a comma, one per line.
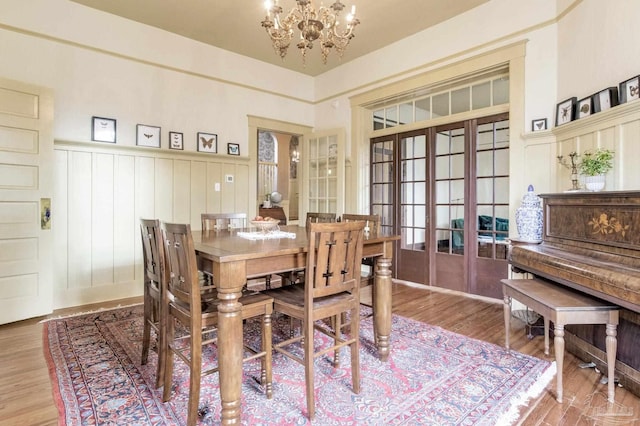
(290,300)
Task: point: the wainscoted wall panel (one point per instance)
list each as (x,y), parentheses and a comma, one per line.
(101,193)
(617,128)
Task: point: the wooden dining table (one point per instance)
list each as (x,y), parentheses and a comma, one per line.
(232,260)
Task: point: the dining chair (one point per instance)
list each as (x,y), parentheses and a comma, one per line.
(198,315)
(331,288)
(372,226)
(154,273)
(219,221)
(316,217)
(297,275)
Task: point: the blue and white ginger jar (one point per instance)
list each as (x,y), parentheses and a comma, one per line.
(529,217)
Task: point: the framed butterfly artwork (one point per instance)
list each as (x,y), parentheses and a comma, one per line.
(207,142)
(103,129)
(148,136)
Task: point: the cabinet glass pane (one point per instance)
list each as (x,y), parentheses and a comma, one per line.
(407,170)
(407,148)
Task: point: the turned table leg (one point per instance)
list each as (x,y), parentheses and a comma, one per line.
(382,306)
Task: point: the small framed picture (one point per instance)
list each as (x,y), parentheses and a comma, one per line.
(207,142)
(605,99)
(630,89)
(233,149)
(585,107)
(565,111)
(538,124)
(175,140)
(103,129)
(148,136)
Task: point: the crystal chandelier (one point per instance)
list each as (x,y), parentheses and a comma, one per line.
(323,25)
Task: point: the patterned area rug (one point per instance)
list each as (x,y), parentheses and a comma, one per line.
(433,377)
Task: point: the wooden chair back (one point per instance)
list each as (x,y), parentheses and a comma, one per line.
(219,221)
(154,274)
(183,284)
(152,252)
(333,260)
(372,221)
(315,217)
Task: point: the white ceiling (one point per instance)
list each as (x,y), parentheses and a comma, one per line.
(234,25)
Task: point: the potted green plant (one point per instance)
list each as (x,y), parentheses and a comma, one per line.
(594,165)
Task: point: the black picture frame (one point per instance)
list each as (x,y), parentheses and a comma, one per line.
(539,124)
(103,129)
(605,99)
(566,111)
(233,149)
(629,90)
(176,140)
(584,108)
(148,136)
(207,142)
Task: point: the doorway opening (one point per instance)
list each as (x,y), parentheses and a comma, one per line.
(278,174)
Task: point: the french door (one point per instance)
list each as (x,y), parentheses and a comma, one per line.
(445,190)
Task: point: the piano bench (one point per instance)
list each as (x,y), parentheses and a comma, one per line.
(563,306)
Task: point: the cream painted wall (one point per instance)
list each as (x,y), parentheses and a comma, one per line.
(599,44)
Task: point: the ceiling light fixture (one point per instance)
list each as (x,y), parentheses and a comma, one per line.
(323,25)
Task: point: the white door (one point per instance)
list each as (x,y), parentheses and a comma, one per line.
(323,185)
(26,171)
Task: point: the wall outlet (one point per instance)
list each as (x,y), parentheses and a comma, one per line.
(216,186)
(228,178)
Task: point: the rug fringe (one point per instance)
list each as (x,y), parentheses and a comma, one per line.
(87,312)
(513,414)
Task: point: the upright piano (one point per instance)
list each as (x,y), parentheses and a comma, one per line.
(591,243)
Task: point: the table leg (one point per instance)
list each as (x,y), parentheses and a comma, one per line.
(507,320)
(230,346)
(611,344)
(382,306)
(558,344)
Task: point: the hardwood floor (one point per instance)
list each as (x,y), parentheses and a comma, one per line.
(26,398)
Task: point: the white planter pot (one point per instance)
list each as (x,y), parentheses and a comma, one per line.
(594,183)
